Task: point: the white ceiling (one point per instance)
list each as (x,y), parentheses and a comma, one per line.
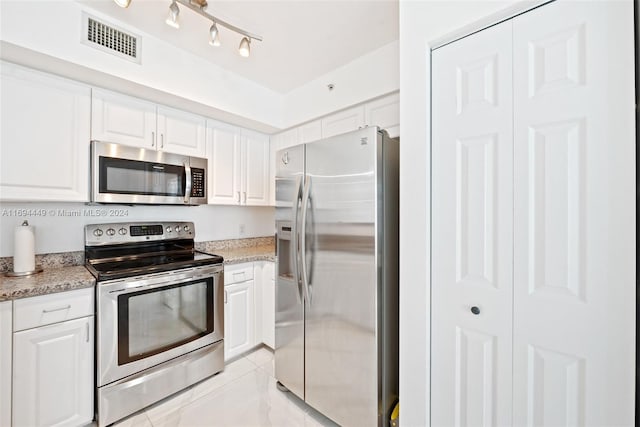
(302,39)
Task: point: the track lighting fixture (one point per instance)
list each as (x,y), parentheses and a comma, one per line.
(174,12)
(245,47)
(200,7)
(214,35)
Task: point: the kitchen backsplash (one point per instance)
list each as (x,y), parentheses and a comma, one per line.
(60,226)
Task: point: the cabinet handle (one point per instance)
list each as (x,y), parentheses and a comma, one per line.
(87,325)
(238,197)
(225,297)
(245,197)
(162,140)
(66,307)
(475,310)
(153,139)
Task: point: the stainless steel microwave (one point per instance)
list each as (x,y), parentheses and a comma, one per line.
(130,175)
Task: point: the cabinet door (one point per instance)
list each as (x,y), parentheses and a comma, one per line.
(472,258)
(123,119)
(6,336)
(268,305)
(255,186)
(308,132)
(53,374)
(384,113)
(342,122)
(44,137)
(574,215)
(286,139)
(181,132)
(239,318)
(224,152)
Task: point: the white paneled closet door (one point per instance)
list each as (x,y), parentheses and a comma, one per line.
(574,221)
(472,214)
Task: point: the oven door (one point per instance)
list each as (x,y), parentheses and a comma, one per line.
(146,320)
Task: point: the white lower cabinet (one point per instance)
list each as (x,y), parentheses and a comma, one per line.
(268,305)
(53,374)
(5,362)
(249,309)
(239,310)
(53,353)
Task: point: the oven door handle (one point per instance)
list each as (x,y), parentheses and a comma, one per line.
(188,184)
(162,284)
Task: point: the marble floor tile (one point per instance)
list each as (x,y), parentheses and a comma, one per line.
(243,395)
(260,356)
(232,371)
(138,419)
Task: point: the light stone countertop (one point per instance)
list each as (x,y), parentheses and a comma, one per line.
(47,282)
(64,271)
(249,254)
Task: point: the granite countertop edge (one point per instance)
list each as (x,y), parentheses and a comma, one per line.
(50,281)
(69,278)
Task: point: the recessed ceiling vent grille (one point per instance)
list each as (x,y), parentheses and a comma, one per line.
(110,39)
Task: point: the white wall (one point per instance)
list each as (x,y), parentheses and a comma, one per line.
(56,231)
(54,28)
(369,76)
(421,24)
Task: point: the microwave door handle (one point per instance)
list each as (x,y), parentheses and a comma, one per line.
(187,187)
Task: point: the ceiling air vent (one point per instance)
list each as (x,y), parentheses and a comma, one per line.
(111,39)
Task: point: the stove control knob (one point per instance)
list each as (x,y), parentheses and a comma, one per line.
(97,232)
(185,228)
(169,229)
(111,232)
(122,231)
(178,229)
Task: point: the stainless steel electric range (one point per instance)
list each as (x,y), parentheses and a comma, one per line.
(159,306)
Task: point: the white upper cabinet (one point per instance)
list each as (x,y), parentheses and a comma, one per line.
(285,139)
(238,166)
(223,152)
(181,132)
(122,119)
(131,121)
(384,113)
(308,132)
(342,122)
(255,155)
(44,137)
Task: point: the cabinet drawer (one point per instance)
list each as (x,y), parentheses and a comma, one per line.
(53,308)
(238,273)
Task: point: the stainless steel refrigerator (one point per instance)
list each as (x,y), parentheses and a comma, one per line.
(337,275)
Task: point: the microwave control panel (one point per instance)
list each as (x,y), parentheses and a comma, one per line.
(197,182)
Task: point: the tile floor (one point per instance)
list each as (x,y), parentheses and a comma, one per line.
(243,395)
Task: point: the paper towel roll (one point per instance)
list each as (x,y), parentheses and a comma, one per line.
(24,249)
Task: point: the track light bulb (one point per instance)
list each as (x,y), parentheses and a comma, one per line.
(172,19)
(214,35)
(122,3)
(245,47)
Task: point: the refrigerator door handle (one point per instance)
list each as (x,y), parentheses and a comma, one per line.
(295,239)
(303,238)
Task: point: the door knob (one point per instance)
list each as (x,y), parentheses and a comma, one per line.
(475,310)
